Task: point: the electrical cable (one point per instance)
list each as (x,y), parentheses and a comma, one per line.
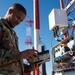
(71,18)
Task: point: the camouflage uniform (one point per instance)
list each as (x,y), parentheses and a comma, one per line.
(8,49)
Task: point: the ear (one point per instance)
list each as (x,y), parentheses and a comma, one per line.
(10,11)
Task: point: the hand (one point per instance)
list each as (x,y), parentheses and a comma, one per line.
(34,67)
(29,54)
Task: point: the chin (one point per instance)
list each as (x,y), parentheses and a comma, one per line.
(12,26)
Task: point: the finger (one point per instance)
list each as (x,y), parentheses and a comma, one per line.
(36,55)
(33,67)
(35,51)
(36,66)
(31,57)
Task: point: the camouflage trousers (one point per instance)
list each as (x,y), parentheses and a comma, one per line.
(10,74)
(13,73)
(7,70)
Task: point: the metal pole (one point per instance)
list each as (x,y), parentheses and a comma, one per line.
(36,29)
(61,4)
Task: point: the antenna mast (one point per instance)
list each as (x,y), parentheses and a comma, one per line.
(28,33)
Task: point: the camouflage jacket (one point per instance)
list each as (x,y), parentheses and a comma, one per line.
(9,48)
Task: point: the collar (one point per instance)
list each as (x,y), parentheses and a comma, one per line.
(6,23)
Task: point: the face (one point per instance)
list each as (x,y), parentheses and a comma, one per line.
(16,17)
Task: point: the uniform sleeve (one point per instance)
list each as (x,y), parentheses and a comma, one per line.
(6,57)
(6,54)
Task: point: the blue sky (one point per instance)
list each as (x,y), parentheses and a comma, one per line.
(45,7)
